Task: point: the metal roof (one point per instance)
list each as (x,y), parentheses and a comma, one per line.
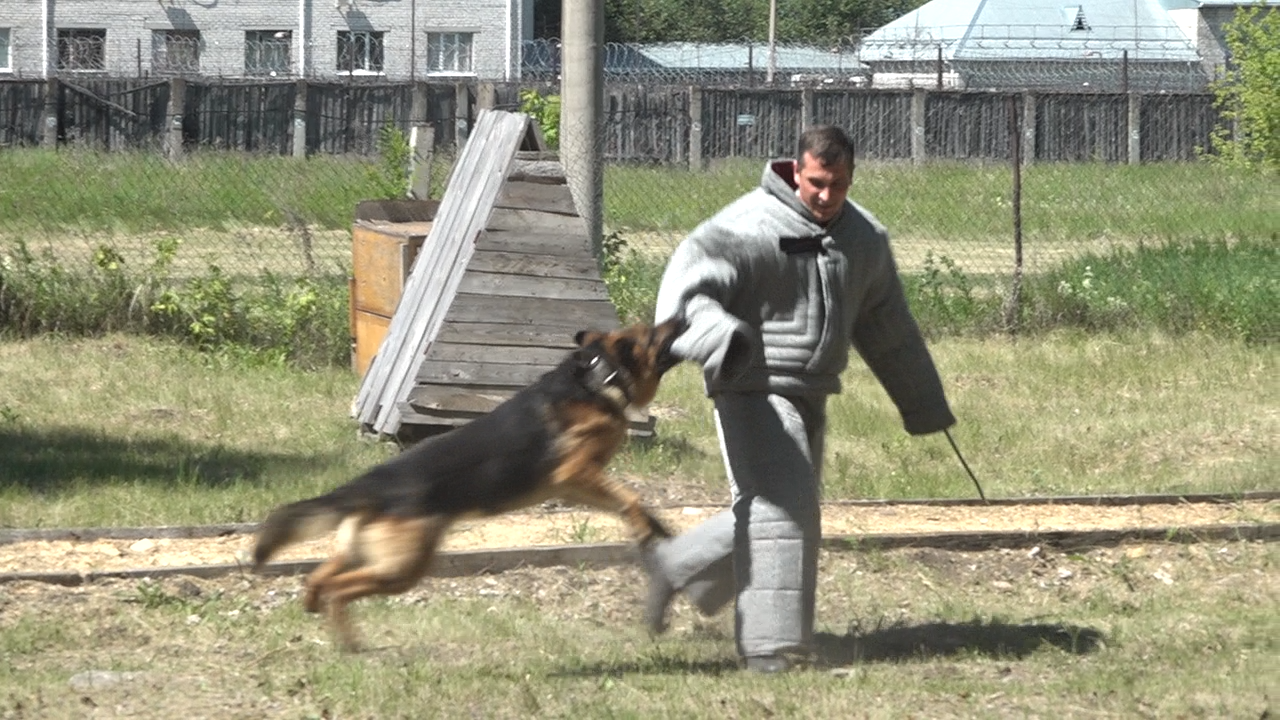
(741,56)
(985,30)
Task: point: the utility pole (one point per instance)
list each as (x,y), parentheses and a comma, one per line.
(773,41)
(581,107)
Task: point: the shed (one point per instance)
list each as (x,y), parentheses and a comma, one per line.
(504,279)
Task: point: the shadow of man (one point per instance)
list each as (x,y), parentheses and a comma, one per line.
(900,642)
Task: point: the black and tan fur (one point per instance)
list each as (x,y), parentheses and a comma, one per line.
(553,439)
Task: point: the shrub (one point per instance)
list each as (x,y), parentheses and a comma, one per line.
(1223,288)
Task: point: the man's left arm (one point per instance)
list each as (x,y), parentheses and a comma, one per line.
(887,337)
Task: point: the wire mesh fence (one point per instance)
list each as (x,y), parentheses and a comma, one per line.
(259,180)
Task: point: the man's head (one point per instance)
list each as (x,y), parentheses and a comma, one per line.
(824,170)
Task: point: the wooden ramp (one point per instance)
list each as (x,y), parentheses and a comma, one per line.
(505,278)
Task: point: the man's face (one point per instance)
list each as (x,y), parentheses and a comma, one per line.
(822,188)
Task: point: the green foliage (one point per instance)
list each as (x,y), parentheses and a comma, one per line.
(545,110)
(389,178)
(632,279)
(302,321)
(1248,95)
(808,21)
(1229,290)
(944,300)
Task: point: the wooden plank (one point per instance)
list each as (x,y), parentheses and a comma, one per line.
(463,211)
(390,366)
(443,400)
(566,244)
(397,211)
(494,333)
(547,172)
(500,354)
(474,562)
(522,195)
(638,425)
(480,373)
(439,277)
(530,286)
(380,264)
(370,331)
(442,281)
(545,265)
(575,315)
(536,221)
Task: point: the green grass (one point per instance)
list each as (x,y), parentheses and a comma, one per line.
(945,201)
(123,430)
(971,202)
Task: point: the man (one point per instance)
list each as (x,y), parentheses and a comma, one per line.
(775,288)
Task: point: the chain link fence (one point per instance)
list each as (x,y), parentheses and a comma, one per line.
(259,177)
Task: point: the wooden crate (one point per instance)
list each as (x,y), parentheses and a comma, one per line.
(382,254)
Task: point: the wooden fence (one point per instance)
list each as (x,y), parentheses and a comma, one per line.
(644,123)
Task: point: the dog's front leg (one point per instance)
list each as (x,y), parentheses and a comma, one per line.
(598,490)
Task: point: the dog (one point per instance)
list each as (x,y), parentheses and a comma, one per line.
(551,440)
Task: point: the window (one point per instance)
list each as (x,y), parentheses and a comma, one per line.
(6,59)
(266,52)
(175,51)
(82,49)
(449,52)
(359,51)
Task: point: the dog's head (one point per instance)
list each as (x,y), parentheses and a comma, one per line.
(632,359)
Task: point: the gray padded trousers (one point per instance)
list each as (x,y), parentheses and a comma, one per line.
(764,549)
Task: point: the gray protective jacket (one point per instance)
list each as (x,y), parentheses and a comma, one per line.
(774,300)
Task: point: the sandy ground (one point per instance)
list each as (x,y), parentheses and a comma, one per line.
(567,527)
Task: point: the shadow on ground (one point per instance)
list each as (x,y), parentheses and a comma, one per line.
(52,459)
(918,642)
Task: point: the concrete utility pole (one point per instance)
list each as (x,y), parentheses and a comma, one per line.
(773,41)
(581,108)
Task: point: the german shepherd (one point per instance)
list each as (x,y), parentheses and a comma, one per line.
(552,439)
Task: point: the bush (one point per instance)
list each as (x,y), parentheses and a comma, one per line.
(1227,289)
(301,321)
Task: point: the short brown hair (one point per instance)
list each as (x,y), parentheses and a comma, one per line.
(828,144)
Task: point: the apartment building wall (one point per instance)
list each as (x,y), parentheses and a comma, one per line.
(310,27)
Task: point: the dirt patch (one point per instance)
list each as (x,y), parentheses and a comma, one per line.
(567,527)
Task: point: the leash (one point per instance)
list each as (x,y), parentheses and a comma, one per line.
(972,477)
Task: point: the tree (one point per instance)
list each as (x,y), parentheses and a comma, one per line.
(836,21)
(1247,95)
(799,21)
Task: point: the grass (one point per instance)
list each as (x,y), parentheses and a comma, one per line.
(125,430)
(967,202)
(1137,631)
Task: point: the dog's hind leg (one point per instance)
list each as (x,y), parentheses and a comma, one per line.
(345,554)
(396,554)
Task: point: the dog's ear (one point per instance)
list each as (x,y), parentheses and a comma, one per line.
(584,338)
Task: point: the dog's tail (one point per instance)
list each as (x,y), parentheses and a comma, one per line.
(296,522)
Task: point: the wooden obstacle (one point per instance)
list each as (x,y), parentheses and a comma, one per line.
(503,280)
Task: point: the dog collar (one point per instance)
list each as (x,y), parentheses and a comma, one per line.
(602,374)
